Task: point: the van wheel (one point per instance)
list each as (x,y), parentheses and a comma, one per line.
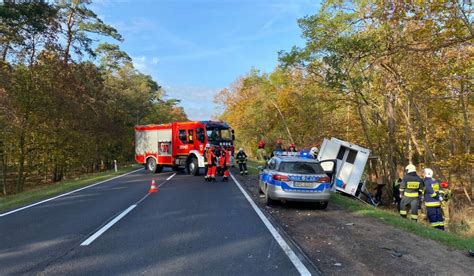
(193,167)
(151,164)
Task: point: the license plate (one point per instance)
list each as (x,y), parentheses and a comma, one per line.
(304,184)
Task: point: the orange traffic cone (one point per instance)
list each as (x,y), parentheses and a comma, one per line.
(153,188)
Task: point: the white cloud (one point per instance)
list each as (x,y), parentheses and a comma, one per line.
(146,65)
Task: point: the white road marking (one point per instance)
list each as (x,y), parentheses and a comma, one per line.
(286,248)
(65,194)
(171,176)
(107,226)
(119,217)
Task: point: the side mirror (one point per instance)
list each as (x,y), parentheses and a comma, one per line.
(233,134)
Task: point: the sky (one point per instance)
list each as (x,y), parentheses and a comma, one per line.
(195,48)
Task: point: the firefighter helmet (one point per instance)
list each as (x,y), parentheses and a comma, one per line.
(314,151)
(208,145)
(444,184)
(410,168)
(428,172)
(241,149)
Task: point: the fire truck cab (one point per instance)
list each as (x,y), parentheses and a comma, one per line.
(179,145)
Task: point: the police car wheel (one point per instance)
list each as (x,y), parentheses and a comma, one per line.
(268,200)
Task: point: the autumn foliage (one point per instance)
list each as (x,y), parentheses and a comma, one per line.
(393,76)
(67,103)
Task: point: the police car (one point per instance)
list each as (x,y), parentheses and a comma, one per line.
(294,178)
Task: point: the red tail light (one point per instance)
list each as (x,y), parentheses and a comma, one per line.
(280,177)
(324,179)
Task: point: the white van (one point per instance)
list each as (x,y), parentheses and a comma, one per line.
(351,160)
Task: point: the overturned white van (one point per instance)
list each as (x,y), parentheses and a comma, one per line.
(350,161)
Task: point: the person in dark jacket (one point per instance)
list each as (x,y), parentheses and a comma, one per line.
(241,158)
(396,192)
(411,188)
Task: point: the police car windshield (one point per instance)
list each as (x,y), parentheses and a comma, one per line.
(218,134)
(301,168)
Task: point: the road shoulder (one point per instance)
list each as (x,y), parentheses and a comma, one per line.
(341,242)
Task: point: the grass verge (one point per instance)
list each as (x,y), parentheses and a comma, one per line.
(43,192)
(252,166)
(394,219)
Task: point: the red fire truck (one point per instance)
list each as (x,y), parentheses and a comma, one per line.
(179,145)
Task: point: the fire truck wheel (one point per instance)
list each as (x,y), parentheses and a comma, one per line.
(193,167)
(151,164)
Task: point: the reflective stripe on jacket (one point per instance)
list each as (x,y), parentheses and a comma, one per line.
(431,192)
(210,157)
(412,185)
(241,157)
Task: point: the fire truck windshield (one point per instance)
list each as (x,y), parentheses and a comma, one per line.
(219,134)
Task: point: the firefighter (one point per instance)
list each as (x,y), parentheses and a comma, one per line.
(241,158)
(206,163)
(261,153)
(217,152)
(445,196)
(278,149)
(396,192)
(292,148)
(225,163)
(314,152)
(211,164)
(410,190)
(432,200)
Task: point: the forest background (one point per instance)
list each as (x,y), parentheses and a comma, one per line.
(393,76)
(68,104)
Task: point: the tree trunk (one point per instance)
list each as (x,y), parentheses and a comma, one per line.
(5,51)
(390,111)
(364,123)
(411,136)
(3,167)
(425,141)
(21,161)
(284,121)
(467,124)
(69,35)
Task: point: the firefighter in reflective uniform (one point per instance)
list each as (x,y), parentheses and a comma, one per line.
(445,196)
(432,200)
(211,164)
(241,158)
(314,152)
(224,161)
(217,153)
(206,164)
(261,153)
(410,190)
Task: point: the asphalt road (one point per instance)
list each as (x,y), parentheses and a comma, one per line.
(189,227)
